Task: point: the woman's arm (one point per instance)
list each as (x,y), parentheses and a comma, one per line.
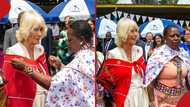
(55,62)
(41,79)
(150,91)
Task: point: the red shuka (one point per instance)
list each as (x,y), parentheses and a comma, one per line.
(116,77)
(20,88)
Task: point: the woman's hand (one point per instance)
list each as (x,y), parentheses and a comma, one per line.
(55,62)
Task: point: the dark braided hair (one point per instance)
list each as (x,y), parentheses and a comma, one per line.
(82,29)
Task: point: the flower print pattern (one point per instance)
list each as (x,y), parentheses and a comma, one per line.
(159,58)
(74,85)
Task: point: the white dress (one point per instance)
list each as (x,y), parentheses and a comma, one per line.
(19,49)
(137,95)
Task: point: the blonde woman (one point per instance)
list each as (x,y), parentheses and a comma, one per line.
(74,84)
(129,59)
(21,90)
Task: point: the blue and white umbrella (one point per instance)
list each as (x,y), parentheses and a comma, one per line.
(80,9)
(18,6)
(105,25)
(187,2)
(156,26)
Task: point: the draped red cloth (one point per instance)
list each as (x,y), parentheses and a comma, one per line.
(20,88)
(116,75)
(184,101)
(139,66)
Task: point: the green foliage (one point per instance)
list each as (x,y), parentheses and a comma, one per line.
(140,1)
(106,1)
(168,1)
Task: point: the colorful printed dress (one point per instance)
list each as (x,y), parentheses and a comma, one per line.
(74,85)
(137,95)
(22,91)
(167,71)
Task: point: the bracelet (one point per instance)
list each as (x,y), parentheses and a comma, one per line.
(1,80)
(28,70)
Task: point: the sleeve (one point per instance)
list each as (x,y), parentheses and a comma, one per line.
(109,55)
(86,62)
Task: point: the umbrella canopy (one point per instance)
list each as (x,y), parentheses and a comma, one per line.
(156,26)
(183,2)
(80,9)
(18,6)
(105,25)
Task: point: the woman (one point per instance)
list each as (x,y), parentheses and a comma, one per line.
(128,60)
(21,90)
(167,70)
(63,52)
(157,42)
(73,85)
(91,22)
(186,40)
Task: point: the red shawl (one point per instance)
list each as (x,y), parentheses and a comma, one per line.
(21,88)
(116,77)
(184,101)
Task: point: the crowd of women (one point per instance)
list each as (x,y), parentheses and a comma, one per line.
(155,74)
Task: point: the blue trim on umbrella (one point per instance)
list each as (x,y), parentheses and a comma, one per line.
(97,25)
(56,11)
(91,7)
(165,22)
(142,26)
(5,19)
(168,22)
(38,9)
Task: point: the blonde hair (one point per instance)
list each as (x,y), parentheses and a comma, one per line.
(123,27)
(28,20)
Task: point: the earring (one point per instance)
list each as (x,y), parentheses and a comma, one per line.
(81,44)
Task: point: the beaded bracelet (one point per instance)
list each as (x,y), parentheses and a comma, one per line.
(28,70)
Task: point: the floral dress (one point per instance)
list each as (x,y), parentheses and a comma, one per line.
(162,74)
(74,85)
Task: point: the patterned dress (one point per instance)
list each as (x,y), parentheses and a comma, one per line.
(162,74)
(74,85)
